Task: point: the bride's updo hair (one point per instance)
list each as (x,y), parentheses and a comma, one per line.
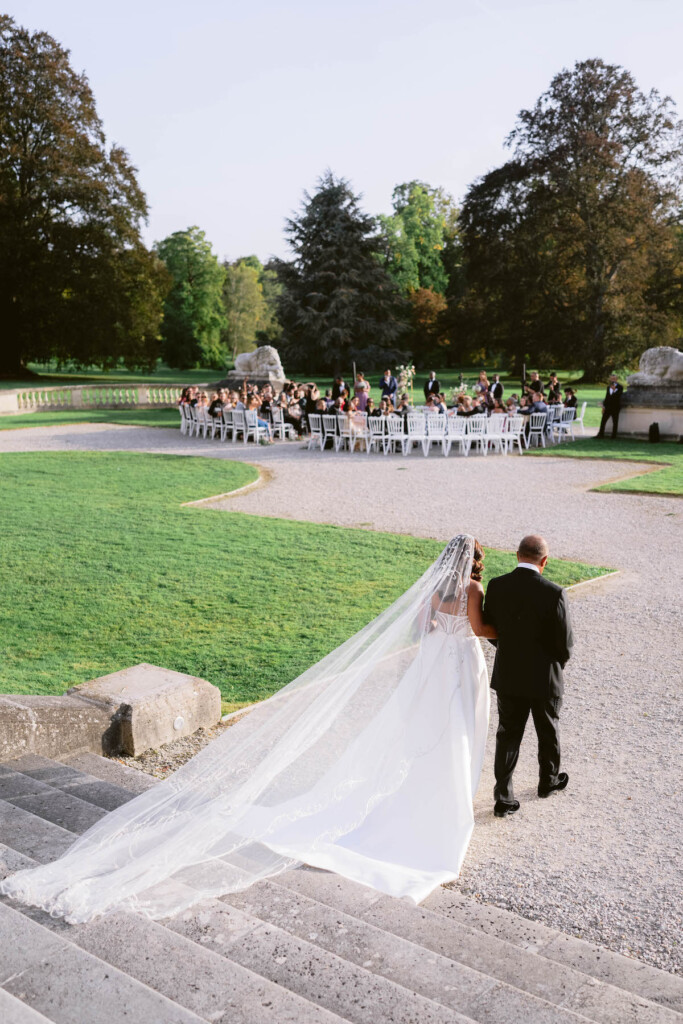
(477,562)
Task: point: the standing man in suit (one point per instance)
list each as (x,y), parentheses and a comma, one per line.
(432,386)
(611,405)
(531,616)
(389,386)
(497,388)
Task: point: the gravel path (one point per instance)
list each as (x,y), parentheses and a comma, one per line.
(601,860)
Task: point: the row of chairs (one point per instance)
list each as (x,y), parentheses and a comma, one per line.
(235,424)
(497,433)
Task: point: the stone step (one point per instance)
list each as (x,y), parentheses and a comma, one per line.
(446,981)
(327,980)
(108,769)
(69,986)
(181,970)
(33,836)
(14,1011)
(65,778)
(552,980)
(596,961)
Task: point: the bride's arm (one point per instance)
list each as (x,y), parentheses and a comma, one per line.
(475,604)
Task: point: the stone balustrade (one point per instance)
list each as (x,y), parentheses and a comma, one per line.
(87,396)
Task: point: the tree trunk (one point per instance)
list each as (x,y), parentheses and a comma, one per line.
(13,367)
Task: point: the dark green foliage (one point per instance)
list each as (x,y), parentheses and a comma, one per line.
(76,282)
(571,247)
(194,314)
(338,304)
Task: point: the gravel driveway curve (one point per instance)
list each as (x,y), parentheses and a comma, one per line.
(603,859)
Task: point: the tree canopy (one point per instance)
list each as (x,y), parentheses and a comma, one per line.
(414,237)
(76,282)
(194,315)
(571,248)
(338,303)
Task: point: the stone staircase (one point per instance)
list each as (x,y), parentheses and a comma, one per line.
(307,947)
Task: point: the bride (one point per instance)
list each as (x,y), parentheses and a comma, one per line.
(365,765)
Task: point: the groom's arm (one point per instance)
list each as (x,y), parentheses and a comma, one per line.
(488,611)
(564,637)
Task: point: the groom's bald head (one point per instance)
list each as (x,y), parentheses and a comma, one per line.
(533,548)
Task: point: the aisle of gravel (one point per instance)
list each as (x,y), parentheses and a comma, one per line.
(603,859)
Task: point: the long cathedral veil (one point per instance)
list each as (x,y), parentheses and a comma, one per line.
(211,827)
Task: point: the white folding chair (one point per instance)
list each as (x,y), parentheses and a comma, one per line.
(537,422)
(554,414)
(315,427)
(192,423)
(183,419)
(359,429)
(396,435)
(377,432)
(343,437)
(437,429)
(579,419)
(226,425)
(476,432)
(456,434)
(238,424)
(252,429)
(565,425)
(495,426)
(514,433)
(330,429)
(417,433)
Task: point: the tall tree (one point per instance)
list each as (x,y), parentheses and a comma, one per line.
(76,282)
(338,303)
(244,302)
(414,237)
(571,246)
(194,317)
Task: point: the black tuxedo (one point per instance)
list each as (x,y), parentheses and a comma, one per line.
(611,405)
(496,390)
(531,616)
(432,387)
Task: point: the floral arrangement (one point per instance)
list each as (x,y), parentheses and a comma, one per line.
(406,375)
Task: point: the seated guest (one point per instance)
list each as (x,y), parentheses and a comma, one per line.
(185,396)
(554,398)
(553,383)
(254,405)
(441,404)
(329,400)
(464,406)
(499,407)
(534,403)
(216,407)
(511,405)
(371,409)
(570,398)
(404,406)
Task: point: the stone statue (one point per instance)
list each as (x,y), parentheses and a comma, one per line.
(655,395)
(264,363)
(658,367)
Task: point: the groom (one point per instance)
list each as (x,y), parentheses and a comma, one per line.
(531,616)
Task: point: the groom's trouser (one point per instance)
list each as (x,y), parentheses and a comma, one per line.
(513,713)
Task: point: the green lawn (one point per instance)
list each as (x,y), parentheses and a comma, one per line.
(103,568)
(143,417)
(668,480)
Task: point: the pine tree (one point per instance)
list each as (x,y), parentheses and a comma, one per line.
(338,304)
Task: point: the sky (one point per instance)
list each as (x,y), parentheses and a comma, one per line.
(231,110)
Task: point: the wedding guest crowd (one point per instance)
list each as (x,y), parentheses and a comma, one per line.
(298,401)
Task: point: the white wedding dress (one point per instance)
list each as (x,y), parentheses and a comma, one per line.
(366,765)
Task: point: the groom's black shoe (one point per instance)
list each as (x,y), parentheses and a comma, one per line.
(502,810)
(562,780)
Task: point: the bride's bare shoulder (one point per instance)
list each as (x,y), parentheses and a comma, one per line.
(475,587)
